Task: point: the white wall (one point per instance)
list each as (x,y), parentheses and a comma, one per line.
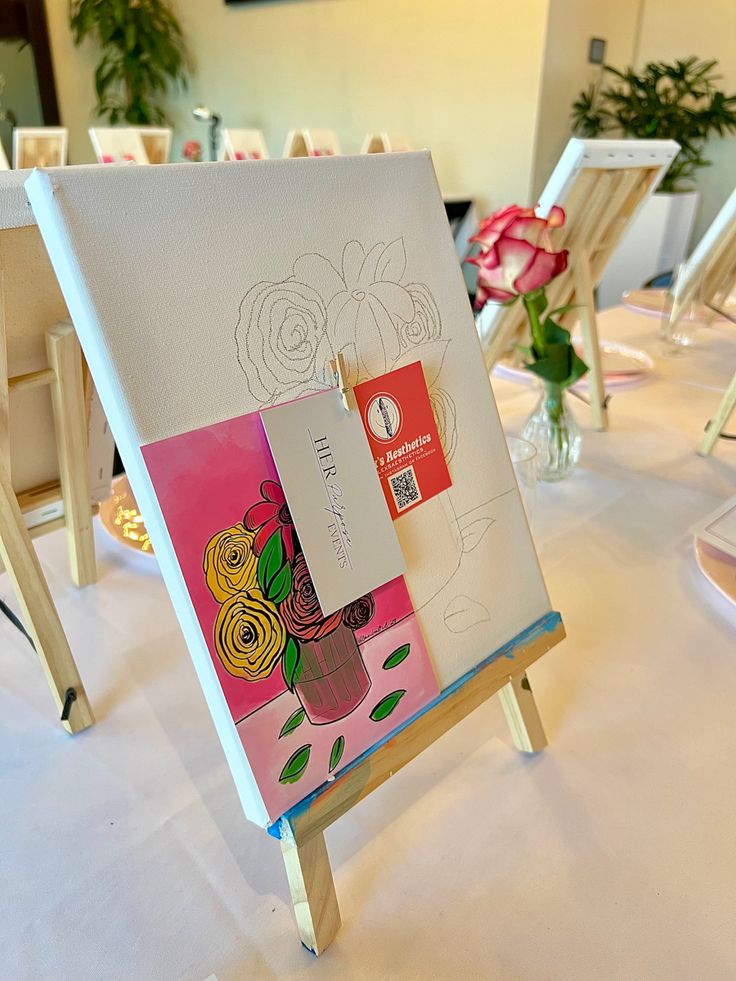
(462,78)
(707,28)
(572,23)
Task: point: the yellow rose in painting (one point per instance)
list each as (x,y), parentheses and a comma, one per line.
(230,563)
(249,635)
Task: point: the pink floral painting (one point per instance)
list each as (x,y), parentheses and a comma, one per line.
(308,693)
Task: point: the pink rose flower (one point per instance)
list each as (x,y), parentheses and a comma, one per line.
(516,255)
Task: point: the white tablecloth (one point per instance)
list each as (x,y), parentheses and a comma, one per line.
(124,853)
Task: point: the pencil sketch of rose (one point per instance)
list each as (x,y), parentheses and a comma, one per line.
(445,416)
(425,325)
(282,339)
(358,306)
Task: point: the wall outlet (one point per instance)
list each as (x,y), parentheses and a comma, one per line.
(597,51)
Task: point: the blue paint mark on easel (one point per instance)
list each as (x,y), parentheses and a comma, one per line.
(545,625)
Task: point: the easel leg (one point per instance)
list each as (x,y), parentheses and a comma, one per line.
(719,420)
(522,714)
(585,296)
(70,417)
(312,891)
(40,615)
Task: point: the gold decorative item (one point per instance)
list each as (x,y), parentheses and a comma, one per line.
(122,520)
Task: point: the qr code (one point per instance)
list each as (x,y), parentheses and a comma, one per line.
(405,489)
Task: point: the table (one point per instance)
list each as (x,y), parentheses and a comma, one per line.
(611,856)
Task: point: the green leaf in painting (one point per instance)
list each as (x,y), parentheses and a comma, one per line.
(293,722)
(397,657)
(386,706)
(338,748)
(270,562)
(291,663)
(296,765)
(280,585)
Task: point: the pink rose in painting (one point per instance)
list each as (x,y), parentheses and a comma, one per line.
(269,515)
(301,611)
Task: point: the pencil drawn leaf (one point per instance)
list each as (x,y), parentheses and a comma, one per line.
(463,613)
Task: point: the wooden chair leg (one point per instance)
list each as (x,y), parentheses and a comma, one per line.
(717,423)
(40,614)
(522,714)
(589,326)
(312,891)
(70,417)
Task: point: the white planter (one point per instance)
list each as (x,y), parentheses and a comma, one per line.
(656,242)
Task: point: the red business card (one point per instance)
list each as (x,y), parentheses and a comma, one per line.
(402,434)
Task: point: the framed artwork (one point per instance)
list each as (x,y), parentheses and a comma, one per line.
(244,144)
(157,143)
(118,145)
(43,146)
(384,143)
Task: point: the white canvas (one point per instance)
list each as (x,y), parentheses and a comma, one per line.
(41,146)
(244,144)
(201,293)
(118,145)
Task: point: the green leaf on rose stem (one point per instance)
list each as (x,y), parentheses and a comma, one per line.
(554,334)
(577,369)
(559,311)
(270,562)
(296,765)
(528,352)
(291,663)
(397,657)
(293,722)
(338,748)
(280,585)
(386,706)
(555,365)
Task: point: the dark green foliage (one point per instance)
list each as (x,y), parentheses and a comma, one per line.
(677,101)
(143,55)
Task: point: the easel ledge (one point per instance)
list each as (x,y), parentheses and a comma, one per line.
(301,828)
(326,804)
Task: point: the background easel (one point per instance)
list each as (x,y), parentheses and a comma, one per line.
(601,184)
(24,266)
(301,830)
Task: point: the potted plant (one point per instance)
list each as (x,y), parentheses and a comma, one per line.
(679,101)
(143,55)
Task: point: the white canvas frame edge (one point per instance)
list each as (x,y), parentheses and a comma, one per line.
(709,242)
(21,133)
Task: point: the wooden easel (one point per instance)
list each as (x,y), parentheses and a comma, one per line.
(601,184)
(301,829)
(19,243)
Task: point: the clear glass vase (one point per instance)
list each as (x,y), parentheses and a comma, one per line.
(553,430)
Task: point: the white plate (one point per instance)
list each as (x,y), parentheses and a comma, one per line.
(622,365)
(717,567)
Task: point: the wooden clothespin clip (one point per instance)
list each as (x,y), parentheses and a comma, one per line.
(339,373)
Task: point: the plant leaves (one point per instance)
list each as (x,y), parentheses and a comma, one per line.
(270,561)
(463,613)
(392,263)
(399,655)
(386,706)
(296,765)
(291,666)
(474,532)
(293,722)
(338,748)
(280,584)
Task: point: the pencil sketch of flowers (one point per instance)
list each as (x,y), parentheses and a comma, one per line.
(358,306)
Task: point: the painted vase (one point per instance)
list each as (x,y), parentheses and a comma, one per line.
(333,680)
